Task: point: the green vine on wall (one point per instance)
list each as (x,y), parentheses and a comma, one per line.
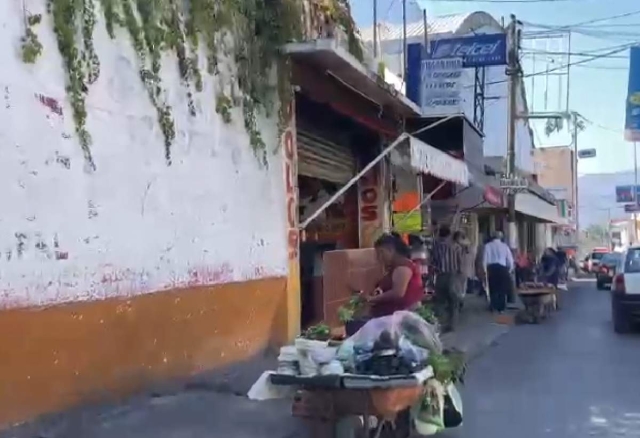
(31,46)
(76,59)
(250,33)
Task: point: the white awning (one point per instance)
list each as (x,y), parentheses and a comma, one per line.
(531,205)
(420,157)
(413,154)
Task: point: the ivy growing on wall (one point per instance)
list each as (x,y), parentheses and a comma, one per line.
(31,46)
(79,58)
(249,33)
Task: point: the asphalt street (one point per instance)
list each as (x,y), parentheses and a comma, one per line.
(571,376)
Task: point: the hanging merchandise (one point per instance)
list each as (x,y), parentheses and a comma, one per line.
(319,158)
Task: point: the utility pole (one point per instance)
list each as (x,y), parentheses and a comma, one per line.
(426,31)
(635,191)
(404,41)
(375,29)
(575,173)
(513,72)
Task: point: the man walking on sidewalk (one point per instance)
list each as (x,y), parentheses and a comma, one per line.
(499,262)
(447,260)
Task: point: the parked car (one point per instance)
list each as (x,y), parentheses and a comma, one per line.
(607,269)
(592,260)
(625,290)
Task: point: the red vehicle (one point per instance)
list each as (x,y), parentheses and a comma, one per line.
(591,262)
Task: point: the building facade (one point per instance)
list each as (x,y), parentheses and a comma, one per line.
(555,169)
(137,245)
(488,84)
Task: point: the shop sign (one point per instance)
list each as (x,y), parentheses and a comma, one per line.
(631,208)
(369,204)
(514,184)
(441,86)
(493,196)
(405,222)
(632,118)
(625,193)
(586,153)
(475,50)
(291,189)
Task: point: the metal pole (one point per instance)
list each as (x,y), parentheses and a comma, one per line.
(375,29)
(635,190)
(568,71)
(512,72)
(404,41)
(426,31)
(575,174)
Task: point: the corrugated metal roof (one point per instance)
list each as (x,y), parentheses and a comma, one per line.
(446,24)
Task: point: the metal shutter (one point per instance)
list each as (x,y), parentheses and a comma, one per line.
(322,159)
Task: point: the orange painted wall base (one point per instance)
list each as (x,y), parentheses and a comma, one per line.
(57,357)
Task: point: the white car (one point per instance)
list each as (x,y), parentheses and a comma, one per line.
(625,290)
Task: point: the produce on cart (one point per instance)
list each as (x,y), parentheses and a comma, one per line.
(539,300)
(390,377)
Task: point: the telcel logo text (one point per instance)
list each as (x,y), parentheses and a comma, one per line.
(446,50)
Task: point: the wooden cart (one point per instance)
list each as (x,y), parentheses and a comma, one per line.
(344,406)
(538,303)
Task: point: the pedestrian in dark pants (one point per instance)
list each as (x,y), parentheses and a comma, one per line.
(499,261)
(447,259)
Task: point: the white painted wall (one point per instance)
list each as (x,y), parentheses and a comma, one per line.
(135,225)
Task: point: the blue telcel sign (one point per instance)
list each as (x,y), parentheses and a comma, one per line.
(632,120)
(475,50)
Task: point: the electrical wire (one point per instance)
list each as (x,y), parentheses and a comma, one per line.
(508,1)
(583,23)
(619,49)
(604,67)
(580,54)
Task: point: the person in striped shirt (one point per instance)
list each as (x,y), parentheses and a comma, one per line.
(447,260)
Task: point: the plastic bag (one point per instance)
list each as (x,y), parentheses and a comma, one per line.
(401,324)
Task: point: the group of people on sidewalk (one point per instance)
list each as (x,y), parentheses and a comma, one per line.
(494,264)
(457,265)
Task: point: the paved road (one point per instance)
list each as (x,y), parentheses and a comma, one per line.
(569,377)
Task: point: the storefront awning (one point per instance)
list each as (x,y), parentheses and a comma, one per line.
(330,56)
(533,206)
(419,157)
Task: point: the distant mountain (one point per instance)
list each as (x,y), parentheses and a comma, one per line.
(597,197)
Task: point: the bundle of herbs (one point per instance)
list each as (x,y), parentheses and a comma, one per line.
(426,312)
(318,332)
(449,366)
(352,309)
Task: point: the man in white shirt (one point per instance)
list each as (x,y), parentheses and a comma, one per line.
(498,261)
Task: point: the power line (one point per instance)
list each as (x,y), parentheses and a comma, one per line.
(598,125)
(508,1)
(603,67)
(580,54)
(571,64)
(583,23)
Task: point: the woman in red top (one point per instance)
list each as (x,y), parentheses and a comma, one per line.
(401,288)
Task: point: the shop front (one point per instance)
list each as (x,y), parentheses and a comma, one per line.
(343,119)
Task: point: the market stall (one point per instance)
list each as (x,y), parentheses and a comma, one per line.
(539,299)
(391,379)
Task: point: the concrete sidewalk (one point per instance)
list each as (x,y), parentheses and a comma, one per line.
(215,406)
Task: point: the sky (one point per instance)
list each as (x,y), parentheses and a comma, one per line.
(597,89)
